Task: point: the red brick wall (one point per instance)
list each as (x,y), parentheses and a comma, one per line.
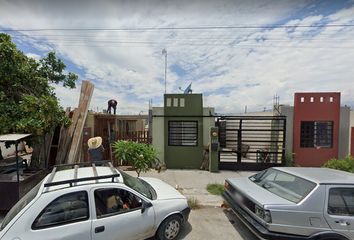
(352,143)
(315,111)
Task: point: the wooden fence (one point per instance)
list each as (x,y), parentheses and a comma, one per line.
(135,136)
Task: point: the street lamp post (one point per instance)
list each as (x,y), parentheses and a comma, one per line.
(164,52)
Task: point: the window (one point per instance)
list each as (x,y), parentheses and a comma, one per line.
(283,184)
(341,201)
(331,99)
(302,99)
(69,208)
(181,102)
(321,99)
(312,99)
(316,134)
(183,133)
(175,102)
(139,185)
(168,102)
(111,201)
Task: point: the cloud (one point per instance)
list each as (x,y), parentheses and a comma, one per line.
(34,56)
(232,67)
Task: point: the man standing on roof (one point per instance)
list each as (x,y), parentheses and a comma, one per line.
(112,104)
(95,149)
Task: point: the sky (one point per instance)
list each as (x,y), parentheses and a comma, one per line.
(236,52)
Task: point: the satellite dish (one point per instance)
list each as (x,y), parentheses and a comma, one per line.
(188,90)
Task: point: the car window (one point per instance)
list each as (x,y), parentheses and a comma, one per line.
(110,201)
(24,201)
(68,208)
(283,184)
(341,201)
(139,185)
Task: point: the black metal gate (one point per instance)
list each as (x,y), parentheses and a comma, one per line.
(251,142)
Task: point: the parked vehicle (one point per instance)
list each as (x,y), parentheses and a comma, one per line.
(96,203)
(295,203)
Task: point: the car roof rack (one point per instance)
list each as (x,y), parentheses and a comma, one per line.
(76,166)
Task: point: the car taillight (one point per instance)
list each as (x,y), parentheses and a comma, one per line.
(227,186)
(263,214)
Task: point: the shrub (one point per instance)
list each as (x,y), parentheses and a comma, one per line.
(139,155)
(193,203)
(288,160)
(346,164)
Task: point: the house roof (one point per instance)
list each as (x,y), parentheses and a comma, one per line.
(13,137)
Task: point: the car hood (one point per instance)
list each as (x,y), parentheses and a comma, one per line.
(258,194)
(163,190)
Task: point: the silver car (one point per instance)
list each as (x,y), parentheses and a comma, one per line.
(295,203)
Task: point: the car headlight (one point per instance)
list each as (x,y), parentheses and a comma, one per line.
(263,214)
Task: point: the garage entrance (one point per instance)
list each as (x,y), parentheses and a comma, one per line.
(251,142)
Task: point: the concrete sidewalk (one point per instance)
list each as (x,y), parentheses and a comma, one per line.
(193,183)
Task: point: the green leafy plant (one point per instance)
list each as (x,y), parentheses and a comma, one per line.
(140,155)
(346,164)
(193,203)
(215,188)
(288,160)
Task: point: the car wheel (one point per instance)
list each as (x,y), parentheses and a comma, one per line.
(170,228)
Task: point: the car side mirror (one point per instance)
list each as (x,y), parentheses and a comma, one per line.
(145,205)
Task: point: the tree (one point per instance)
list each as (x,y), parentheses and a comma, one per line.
(140,155)
(27,100)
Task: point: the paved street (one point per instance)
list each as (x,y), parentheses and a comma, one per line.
(215,223)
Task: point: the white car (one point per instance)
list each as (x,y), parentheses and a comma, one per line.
(96,202)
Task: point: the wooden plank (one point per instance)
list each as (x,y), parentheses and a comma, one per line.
(73,126)
(62,139)
(80,118)
(109,140)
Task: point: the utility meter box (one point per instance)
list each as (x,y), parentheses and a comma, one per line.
(214,150)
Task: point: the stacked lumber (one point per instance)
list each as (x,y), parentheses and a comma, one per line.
(69,142)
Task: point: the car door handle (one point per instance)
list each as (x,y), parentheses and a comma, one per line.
(343,223)
(99,229)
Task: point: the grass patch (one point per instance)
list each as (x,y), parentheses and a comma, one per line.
(193,203)
(215,188)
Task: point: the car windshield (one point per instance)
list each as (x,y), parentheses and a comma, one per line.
(139,185)
(24,201)
(283,184)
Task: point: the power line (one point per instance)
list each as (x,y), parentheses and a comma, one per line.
(180,28)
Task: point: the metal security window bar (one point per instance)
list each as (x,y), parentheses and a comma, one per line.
(316,134)
(183,133)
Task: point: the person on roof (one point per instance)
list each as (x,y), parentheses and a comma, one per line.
(95,149)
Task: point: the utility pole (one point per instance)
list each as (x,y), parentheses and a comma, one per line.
(164,52)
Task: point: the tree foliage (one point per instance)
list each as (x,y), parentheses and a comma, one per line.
(140,155)
(27,100)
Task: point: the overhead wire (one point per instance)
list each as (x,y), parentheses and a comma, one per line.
(182,28)
(206,38)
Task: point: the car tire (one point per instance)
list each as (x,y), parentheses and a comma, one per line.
(170,228)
